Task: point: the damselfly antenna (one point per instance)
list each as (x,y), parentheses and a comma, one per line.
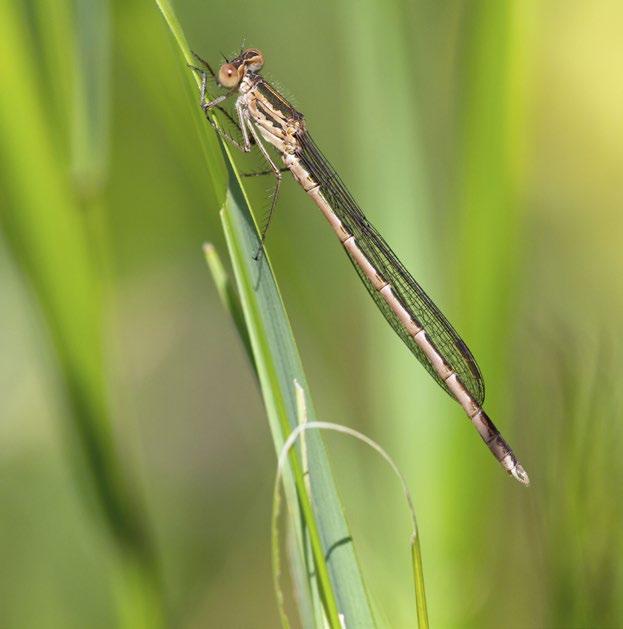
(203,62)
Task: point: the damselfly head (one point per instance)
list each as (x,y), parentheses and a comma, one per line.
(249,60)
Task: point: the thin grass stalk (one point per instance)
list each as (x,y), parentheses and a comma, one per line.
(418,580)
(416,556)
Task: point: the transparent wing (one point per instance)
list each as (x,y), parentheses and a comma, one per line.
(408,291)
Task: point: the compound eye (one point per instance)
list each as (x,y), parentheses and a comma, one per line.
(228,75)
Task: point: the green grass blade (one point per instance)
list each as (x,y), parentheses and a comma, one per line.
(228,296)
(211,147)
(488,211)
(278,365)
(488,221)
(45,227)
(55,31)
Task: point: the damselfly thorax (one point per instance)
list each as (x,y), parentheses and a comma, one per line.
(264,115)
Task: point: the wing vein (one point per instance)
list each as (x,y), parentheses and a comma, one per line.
(411,295)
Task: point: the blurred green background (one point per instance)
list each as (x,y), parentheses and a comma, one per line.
(483,139)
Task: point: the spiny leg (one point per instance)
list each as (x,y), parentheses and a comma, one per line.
(204,63)
(207,105)
(244,118)
(201,72)
(246,146)
(277,173)
(263,172)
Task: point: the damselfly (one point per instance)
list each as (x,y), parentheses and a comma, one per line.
(264,115)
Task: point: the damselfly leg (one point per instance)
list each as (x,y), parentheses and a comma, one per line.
(249,137)
(261,173)
(201,71)
(277,173)
(204,63)
(208,105)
